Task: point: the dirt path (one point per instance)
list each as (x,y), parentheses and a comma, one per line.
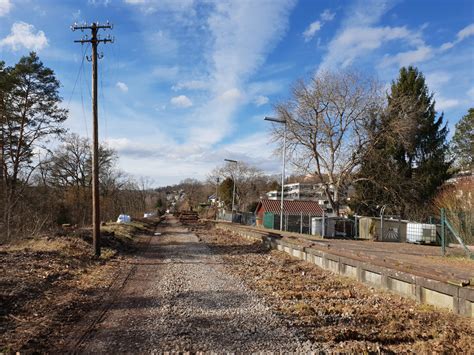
(179,297)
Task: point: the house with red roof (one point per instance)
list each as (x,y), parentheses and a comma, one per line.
(268,211)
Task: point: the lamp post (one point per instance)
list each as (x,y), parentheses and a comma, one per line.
(283,167)
(382,211)
(216,203)
(233,189)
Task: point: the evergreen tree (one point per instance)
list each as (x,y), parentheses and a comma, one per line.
(462,144)
(31,113)
(225,192)
(407,160)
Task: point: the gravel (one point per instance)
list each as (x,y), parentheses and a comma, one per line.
(180,297)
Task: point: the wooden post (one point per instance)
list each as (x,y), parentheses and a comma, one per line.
(94,41)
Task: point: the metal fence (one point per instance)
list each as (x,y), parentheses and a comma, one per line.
(456,231)
(292,223)
(328,227)
(247,218)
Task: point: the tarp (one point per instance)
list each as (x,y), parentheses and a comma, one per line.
(124,218)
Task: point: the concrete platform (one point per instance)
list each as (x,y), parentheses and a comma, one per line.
(414,271)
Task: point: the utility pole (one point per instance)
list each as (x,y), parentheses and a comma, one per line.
(94,41)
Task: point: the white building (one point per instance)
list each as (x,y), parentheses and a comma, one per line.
(304,192)
(310,192)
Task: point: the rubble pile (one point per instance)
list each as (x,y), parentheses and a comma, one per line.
(189,217)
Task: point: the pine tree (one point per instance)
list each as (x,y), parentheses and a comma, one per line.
(31,113)
(462,144)
(225,192)
(407,160)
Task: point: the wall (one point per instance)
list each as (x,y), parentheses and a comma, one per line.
(458,299)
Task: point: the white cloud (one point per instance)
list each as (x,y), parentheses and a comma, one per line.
(122,86)
(269,87)
(191,159)
(23,35)
(358,14)
(240,34)
(261,100)
(181,101)
(191,85)
(436,79)
(231,95)
(354,42)
(446,46)
(402,59)
(152,6)
(444,104)
(359,35)
(5,7)
(163,44)
(315,26)
(327,15)
(76,15)
(99,2)
(470,93)
(309,33)
(165,73)
(243,33)
(466,32)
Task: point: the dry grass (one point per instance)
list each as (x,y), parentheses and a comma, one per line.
(339,313)
(46,280)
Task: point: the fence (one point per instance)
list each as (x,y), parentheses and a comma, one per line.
(247,218)
(329,227)
(450,235)
(291,223)
(442,231)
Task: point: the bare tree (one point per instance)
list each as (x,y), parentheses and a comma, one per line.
(327,121)
(249,181)
(195,191)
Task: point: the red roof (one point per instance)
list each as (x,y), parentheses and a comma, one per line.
(292,207)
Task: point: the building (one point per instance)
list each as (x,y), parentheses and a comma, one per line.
(304,192)
(297,214)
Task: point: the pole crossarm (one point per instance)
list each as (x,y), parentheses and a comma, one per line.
(105,40)
(93,25)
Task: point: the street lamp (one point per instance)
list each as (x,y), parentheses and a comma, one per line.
(382,211)
(233,189)
(216,203)
(283,168)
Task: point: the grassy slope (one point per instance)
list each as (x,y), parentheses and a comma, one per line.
(44,281)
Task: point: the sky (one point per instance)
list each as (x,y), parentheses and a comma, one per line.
(187,83)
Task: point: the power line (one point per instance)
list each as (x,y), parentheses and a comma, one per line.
(81,67)
(104,108)
(84,111)
(94,41)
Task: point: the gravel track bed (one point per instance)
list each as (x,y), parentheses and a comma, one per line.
(182,298)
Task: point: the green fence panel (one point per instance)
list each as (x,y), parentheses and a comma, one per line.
(268,220)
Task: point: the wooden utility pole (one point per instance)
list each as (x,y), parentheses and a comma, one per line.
(94,41)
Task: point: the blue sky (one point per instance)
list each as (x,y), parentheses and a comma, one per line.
(188,82)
